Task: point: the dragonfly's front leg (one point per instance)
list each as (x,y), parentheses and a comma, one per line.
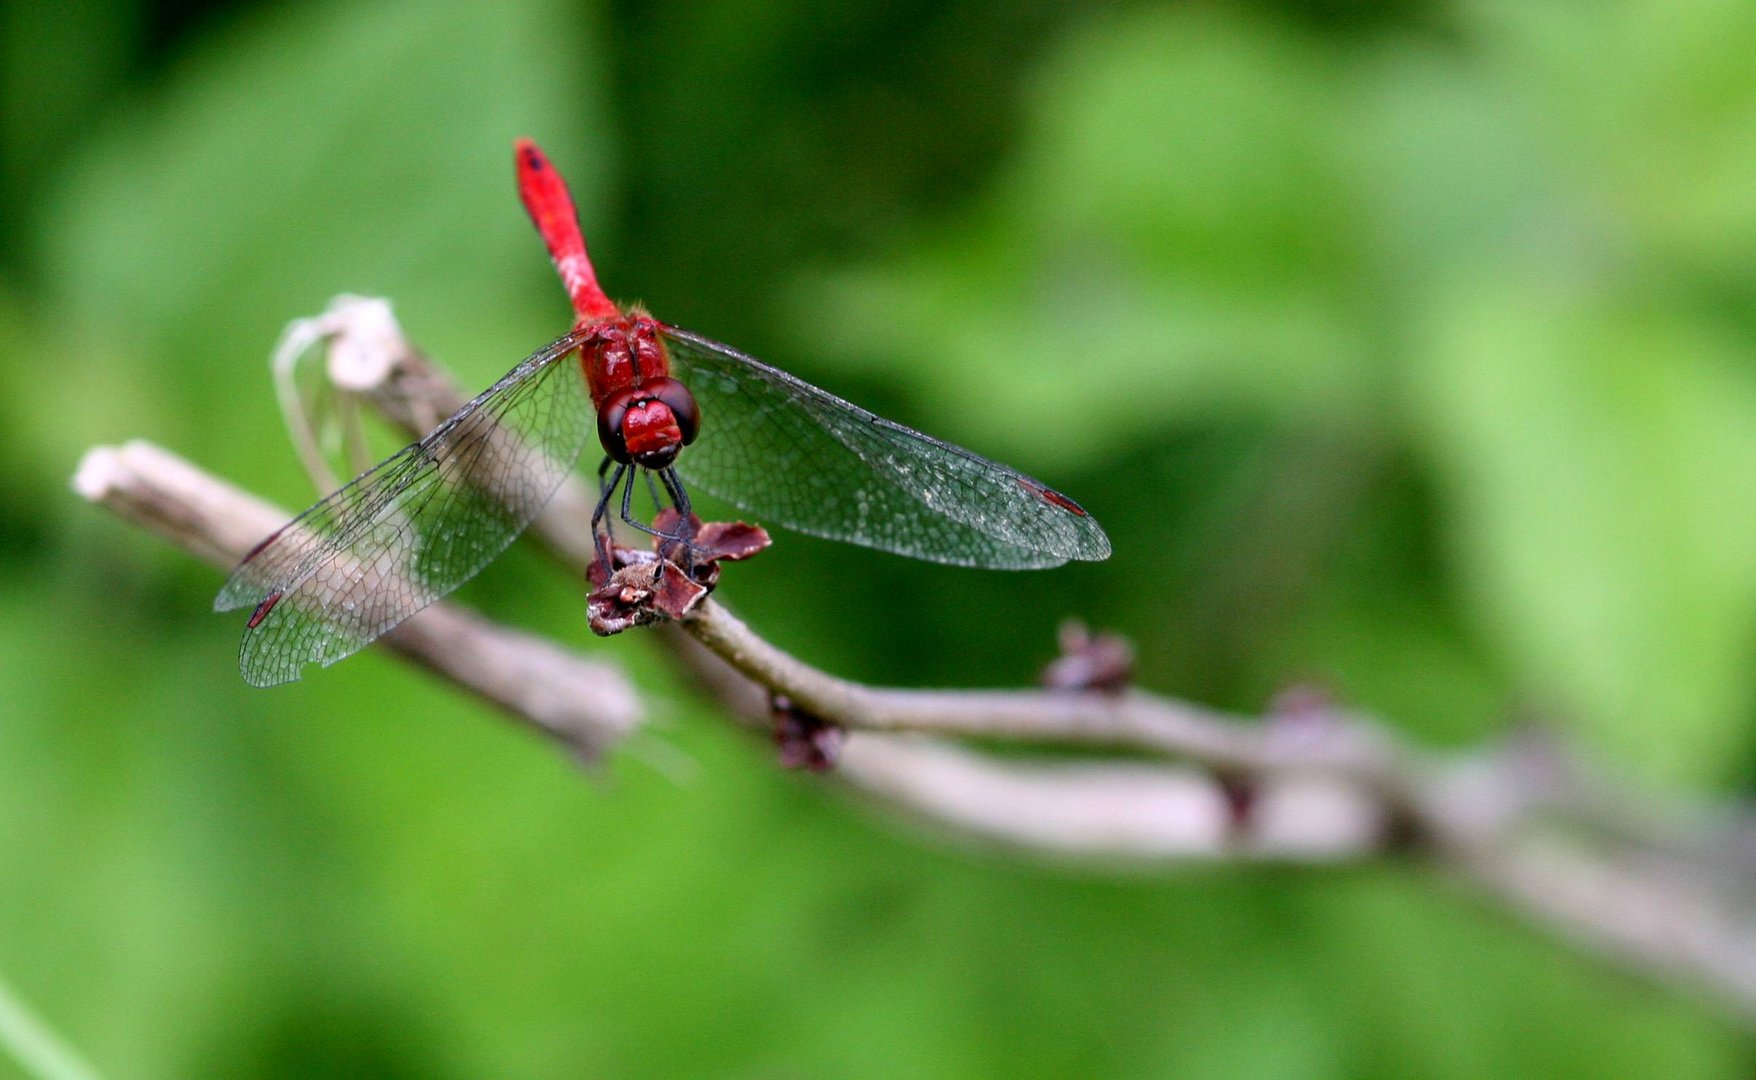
(684,535)
(600,527)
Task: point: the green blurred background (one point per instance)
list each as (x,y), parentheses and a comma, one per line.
(1405,347)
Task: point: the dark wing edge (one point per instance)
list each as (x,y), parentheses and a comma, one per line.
(318,583)
(1013,521)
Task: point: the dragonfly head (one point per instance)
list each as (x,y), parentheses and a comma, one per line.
(647,424)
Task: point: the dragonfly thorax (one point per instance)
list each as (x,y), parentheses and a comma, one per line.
(621,352)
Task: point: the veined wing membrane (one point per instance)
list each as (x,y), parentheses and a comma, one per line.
(414,527)
(785,451)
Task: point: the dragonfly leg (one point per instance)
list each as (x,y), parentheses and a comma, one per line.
(685,516)
(679,494)
(684,531)
(684,536)
(600,528)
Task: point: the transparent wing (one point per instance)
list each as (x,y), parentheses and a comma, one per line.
(790,453)
(413,527)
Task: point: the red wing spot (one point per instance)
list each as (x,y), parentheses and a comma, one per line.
(1054,498)
(262,610)
(257,550)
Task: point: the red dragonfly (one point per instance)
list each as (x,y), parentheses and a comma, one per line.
(428,518)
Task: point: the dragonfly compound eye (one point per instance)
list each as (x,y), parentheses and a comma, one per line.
(610,417)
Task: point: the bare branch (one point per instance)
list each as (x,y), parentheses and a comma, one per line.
(1650,886)
(1114,809)
(1130,720)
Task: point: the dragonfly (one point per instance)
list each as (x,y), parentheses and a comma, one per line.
(670,407)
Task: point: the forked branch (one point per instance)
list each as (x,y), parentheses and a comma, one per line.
(1652,885)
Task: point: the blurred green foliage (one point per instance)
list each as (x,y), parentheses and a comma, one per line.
(1404,347)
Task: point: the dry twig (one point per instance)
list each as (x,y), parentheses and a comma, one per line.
(1654,888)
